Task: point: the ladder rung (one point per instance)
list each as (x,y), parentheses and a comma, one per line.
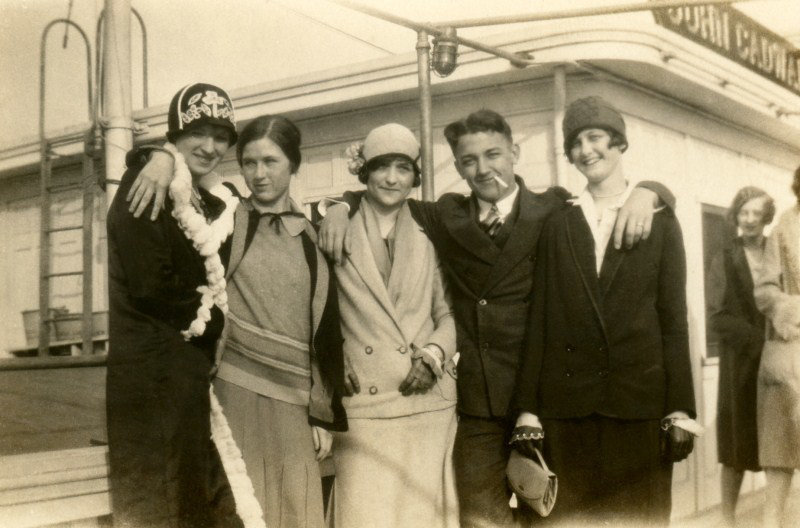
(66,317)
(65,228)
(67,187)
(63,274)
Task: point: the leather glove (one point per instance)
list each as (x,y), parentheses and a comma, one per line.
(676,443)
(420,378)
(527,440)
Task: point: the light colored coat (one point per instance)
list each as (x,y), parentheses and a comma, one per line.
(777,294)
(380,323)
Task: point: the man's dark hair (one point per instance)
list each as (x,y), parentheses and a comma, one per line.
(481,121)
(278,129)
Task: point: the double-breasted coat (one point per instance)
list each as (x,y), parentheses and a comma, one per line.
(381,322)
(615,345)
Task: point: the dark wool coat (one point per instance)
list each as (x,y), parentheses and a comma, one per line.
(740,328)
(165,470)
(615,345)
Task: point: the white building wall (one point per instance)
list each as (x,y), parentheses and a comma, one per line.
(19,258)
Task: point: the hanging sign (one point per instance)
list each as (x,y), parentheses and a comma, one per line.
(731,33)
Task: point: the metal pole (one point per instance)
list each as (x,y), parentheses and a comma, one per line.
(117,122)
(559,107)
(87,329)
(431,30)
(580,12)
(425,136)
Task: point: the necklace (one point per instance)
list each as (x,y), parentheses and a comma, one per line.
(206,238)
(607,195)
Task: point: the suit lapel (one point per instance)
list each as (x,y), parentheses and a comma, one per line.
(409,257)
(611,262)
(522,239)
(460,219)
(364,265)
(742,267)
(581,245)
(241,226)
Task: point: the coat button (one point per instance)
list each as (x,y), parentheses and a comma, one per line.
(603,373)
(482,302)
(401,349)
(373,390)
(568,373)
(570,348)
(368,350)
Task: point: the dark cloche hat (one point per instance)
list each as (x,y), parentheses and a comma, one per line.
(200,104)
(591,112)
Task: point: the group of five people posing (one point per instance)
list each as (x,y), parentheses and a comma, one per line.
(556,327)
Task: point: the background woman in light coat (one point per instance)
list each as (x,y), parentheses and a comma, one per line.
(740,327)
(394,465)
(777,294)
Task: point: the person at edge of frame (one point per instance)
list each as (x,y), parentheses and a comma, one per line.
(279,368)
(608,371)
(740,328)
(777,295)
(486,242)
(165,471)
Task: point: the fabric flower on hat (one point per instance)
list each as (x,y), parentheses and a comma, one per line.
(355,157)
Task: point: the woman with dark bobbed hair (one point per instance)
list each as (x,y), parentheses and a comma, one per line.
(777,294)
(740,327)
(394,466)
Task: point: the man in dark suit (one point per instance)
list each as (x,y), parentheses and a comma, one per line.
(487,245)
(608,370)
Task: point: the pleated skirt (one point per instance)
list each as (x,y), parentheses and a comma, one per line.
(278,451)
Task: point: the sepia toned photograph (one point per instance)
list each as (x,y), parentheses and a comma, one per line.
(399,263)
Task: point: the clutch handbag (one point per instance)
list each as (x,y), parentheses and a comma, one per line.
(532,482)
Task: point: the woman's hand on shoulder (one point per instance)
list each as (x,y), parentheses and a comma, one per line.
(151,185)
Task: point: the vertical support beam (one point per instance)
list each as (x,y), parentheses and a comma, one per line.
(116,86)
(425,124)
(88,245)
(559,107)
(44,246)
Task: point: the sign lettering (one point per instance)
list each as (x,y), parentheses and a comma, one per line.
(731,33)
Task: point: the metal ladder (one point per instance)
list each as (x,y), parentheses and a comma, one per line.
(87,183)
(46,189)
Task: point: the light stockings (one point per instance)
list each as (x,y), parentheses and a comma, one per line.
(731,480)
(779,481)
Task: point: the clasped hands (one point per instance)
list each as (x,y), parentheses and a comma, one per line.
(419,380)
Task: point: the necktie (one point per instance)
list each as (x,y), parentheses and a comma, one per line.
(492,223)
(275,218)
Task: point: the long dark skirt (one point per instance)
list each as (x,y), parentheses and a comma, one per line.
(165,469)
(610,472)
